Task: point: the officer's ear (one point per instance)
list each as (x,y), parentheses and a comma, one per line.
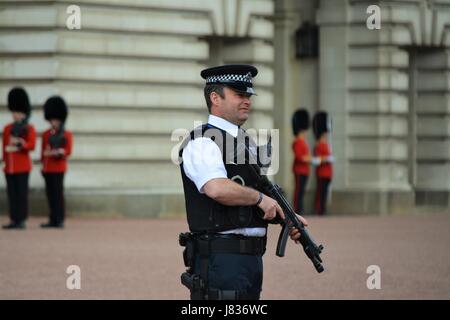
(215,98)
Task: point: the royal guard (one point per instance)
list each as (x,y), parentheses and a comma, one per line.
(302,157)
(322,150)
(56,148)
(19,138)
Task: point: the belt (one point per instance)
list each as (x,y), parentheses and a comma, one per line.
(230,243)
(216,294)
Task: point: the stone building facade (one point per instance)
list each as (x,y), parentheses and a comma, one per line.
(131,77)
(387,91)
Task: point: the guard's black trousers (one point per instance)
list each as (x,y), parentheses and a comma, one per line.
(55,196)
(323,185)
(17,185)
(299,193)
(240,272)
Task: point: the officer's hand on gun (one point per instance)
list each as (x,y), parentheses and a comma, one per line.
(271,208)
(295,233)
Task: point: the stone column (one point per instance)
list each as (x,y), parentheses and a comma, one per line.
(364,86)
(433,128)
(285,24)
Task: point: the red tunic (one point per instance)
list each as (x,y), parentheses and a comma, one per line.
(301,150)
(51,164)
(18,161)
(324,170)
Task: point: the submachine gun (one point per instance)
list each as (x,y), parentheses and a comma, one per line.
(291,220)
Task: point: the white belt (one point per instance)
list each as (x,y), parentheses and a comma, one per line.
(248,232)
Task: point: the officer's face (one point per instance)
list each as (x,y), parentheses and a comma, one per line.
(235,107)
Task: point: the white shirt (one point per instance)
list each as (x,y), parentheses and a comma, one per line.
(202,162)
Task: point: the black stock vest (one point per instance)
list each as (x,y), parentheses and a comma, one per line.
(207,215)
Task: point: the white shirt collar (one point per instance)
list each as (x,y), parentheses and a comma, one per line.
(223,124)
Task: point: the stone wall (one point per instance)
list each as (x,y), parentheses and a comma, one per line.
(387,91)
(130,76)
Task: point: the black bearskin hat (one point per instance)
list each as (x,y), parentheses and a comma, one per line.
(55,108)
(18,101)
(321,123)
(300,121)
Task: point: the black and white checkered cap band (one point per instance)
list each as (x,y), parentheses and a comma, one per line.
(230,77)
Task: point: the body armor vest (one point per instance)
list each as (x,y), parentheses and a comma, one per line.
(207,215)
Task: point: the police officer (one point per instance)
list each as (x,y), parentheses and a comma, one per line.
(227,216)
(56,148)
(19,138)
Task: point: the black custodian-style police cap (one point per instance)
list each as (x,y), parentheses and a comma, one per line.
(236,76)
(321,123)
(18,101)
(55,108)
(300,120)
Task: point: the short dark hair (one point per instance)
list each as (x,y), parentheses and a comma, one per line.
(210,88)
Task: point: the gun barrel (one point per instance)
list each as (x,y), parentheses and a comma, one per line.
(318,265)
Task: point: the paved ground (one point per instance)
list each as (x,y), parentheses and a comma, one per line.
(140,259)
